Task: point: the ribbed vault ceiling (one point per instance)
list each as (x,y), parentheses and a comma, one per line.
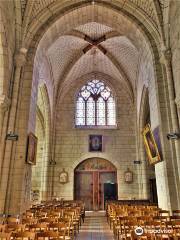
(71,56)
(93,39)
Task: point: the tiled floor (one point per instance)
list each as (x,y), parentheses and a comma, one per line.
(95,227)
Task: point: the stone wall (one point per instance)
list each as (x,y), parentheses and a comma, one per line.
(72,145)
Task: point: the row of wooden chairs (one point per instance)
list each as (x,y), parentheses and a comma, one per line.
(32,235)
(154,222)
(51,220)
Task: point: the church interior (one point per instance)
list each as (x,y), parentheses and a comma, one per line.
(89,117)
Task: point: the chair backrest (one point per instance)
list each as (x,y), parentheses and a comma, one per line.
(38,227)
(2,220)
(24,235)
(5,236)
(12,220)
(49,235)
(176,212)
(2,227)
(15,227)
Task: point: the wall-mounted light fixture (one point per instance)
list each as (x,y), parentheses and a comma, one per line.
(52,162)
(173,136)
(137,162)
(12,136)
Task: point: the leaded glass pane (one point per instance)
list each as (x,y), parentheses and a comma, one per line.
(111,113)
(101,112)
(80,111)
(91,105)
(90,112)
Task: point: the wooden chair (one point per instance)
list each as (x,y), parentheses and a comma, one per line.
(13,227)
(13,220)
(61,234)
(29,221)
(164,213)
(47,220)
(176,228)
(2,227)
(176,212)
(2,220)
(38,227)
(144,236)
(5,236)
(62,226)
(24,235)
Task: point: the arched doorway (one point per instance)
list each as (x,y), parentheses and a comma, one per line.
(95,180)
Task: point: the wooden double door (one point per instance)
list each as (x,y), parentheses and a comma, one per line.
(89,187)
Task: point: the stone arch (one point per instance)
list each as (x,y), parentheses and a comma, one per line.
(126,10)
(109,80)
(94,155)
(43,120)
(151,42)
(143,170)
(149,37)
(110,163)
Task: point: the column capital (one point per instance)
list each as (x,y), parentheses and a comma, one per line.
(177,101)
(4,103)
(20,57)
(166,56)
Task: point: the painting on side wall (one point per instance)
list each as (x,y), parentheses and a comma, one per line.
(31,149)
(151,145)
(158,141)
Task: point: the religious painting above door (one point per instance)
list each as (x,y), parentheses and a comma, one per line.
(96,164)
(150,145)
(95,143)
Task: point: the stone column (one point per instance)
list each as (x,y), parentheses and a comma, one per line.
(8,156)
(173,168)
(178,108)
(4,106)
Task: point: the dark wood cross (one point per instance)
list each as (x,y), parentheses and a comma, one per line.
(94,43)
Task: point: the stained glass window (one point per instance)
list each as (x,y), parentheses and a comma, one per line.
(95,105)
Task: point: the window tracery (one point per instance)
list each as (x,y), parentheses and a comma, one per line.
(95,105)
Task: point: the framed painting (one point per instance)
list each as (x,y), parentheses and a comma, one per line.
(156,135)
(63,177)
(31,149)
(128,176)
(95,143)
(150,145)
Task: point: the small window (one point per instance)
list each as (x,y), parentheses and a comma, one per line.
(95,105)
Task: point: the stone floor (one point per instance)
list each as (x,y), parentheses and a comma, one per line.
(95,227)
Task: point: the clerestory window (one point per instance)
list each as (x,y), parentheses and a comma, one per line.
(95,105)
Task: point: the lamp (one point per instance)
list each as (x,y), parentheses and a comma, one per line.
(173,136)
(52,162)
(12,136)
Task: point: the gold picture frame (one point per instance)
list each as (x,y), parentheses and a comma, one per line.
(31,149)
(150,145)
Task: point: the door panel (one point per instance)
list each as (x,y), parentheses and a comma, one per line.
(89,187)
(84,189)
(95,191)
(105,177)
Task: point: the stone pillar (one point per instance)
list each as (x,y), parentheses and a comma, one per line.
(173,160)
(178,108)
(8,156)
(4,106)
